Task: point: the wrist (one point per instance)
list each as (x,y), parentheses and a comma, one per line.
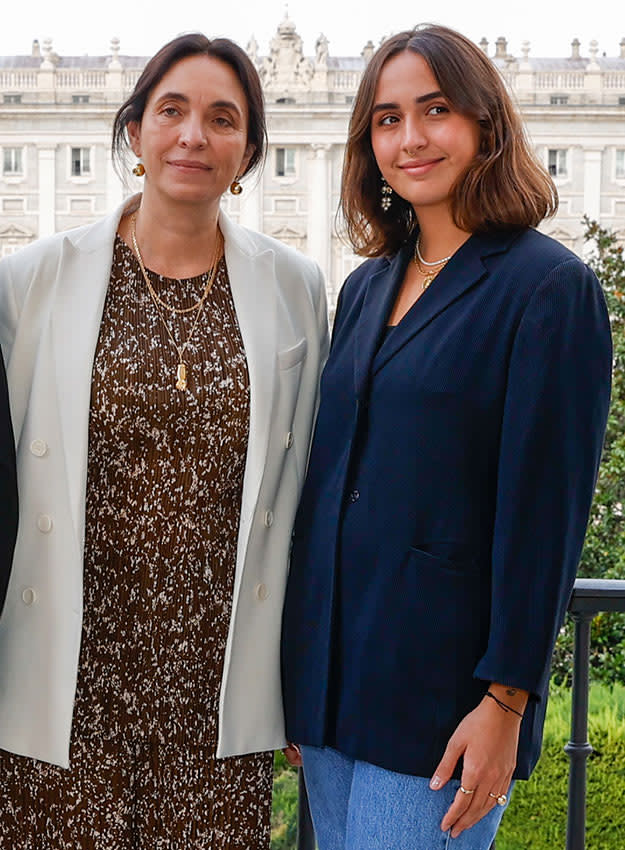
(507,700)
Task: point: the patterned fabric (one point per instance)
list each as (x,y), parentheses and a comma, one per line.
(165,475)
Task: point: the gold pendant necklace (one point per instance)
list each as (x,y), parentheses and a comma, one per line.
(182,368)
(432,270)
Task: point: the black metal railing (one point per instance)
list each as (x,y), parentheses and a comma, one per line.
(590,597)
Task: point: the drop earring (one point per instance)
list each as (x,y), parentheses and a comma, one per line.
(235,187)
(139,169)
(387,193)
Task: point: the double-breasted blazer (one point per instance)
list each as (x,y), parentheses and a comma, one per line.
(448,492)
(8,487)
(51,301)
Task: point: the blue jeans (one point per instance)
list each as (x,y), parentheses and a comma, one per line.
(358,806)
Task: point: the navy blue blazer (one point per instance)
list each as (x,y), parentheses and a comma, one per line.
(8,488)
(447,497)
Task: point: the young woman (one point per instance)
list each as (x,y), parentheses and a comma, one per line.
(163,366)
(461,420)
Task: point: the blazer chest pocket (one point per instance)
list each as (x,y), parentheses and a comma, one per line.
(289,357)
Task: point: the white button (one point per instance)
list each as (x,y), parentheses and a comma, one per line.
(261,591)
(268,518)
(39,448)
(28,596)
(44,523)
(289,440)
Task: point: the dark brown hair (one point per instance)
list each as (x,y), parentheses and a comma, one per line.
(195,44)
(505,187)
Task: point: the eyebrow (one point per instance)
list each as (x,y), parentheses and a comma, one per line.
(380,107)
(182,98)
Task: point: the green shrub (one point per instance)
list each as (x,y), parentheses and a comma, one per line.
(536,819)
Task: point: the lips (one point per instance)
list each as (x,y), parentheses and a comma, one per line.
(421,166)
(189,165)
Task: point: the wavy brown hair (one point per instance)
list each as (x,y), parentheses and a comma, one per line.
(505,187)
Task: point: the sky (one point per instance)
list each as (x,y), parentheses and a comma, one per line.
(77,27)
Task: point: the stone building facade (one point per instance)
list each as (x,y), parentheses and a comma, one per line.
(56,114)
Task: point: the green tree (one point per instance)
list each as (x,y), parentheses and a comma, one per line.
(603,555)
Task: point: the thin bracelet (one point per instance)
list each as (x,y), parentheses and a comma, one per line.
(503,704)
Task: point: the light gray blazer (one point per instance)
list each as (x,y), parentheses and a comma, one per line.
(51,301)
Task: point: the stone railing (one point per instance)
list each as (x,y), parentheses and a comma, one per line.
(592,85)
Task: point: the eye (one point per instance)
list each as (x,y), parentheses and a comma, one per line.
(170,111)
(438,109)
(387,120)
(224,121)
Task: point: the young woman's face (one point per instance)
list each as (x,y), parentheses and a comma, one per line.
(421,143)
(192,138)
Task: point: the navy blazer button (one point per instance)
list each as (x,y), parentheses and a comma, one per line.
(354,496)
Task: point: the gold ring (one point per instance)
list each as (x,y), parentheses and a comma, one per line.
(501,799)
(465,790)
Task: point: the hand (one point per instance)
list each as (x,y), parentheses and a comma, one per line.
(487,738)
(293,755)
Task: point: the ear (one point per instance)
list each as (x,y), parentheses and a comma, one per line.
(249,153)
(134,135)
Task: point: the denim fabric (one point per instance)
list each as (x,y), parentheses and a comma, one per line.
(358,806)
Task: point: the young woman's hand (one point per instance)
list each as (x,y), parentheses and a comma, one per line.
(293,755)
(487,739)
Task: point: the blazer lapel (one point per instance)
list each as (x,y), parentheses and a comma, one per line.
(379,298)
(463,271)
(253,284)
(82,280)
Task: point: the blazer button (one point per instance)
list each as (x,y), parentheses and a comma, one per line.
(39,448)
(44,523)
(261,592)
(28,596)
(268,519)
(288,442)
(354,496)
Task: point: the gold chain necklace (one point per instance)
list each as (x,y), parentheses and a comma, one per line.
(432,270)
(181,370)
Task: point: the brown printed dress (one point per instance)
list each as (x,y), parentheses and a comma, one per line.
(165,476)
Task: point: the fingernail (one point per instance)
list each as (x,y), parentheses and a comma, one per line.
(435,782)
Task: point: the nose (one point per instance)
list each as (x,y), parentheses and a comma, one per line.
(193,132)
(413,135)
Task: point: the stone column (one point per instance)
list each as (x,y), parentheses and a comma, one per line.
(47,191)
(114,188)
(251,203)
(319,199)
(592,183)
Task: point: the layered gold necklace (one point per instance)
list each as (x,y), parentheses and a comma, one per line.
(182,367)
(428,270)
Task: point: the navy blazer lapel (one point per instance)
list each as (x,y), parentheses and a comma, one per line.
(464,270)
(380,296)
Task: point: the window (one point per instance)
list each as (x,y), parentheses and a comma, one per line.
(12,98)
(620,164)
(285,162)
(12,162)
(81,162)
(559,99)
(80,98)
(557,162)
(621,101)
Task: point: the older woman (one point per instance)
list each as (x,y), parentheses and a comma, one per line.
(460,427)
(163,366)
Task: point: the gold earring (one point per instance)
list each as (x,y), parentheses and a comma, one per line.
(139,169)
(235,187)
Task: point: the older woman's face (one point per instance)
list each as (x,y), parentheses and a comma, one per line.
(421,143)
(192,138)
